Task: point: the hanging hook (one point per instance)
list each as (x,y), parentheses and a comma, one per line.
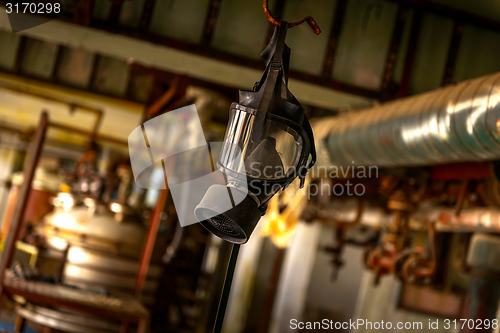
(314,26)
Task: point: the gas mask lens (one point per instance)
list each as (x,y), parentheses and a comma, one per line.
(273,157)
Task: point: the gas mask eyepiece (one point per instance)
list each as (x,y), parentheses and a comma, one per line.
(268,143)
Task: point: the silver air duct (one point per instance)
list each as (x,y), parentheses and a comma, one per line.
(456,123)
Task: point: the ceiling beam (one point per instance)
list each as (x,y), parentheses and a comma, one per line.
(451,59)
(179,62)
(452,13)
(333,39)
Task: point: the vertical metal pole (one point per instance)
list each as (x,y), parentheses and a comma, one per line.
(271,290)
(392,54)
(451,59)
(147,14)
(411,53)
(333,39)
(484,294)
(149,243)
(20,207)
(210,21)
(484,284)
(219,320)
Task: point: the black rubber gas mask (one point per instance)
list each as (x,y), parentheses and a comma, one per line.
(272,139)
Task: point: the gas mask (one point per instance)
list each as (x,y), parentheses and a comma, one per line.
(268,143)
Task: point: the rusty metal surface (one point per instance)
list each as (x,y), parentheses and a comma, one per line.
(66,321)
(24,192)
(124,305)
(333,39)
(312,23)
(101,224)
(388,85)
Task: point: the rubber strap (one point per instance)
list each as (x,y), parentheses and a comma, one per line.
(269,85)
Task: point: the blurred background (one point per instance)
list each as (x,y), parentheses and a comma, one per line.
(404,93)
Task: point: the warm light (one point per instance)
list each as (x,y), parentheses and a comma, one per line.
(58,243)
(64,200)
(116,207)
(281,226)
(89,202)
(282,240)
(76,255)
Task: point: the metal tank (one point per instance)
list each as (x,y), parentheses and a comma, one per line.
(43,188)
(97,246)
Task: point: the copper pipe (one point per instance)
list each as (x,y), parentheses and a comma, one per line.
(67,128)
(152,232)
(80,131)
(11,128)
(149,244)
(430,268)
(431,234)
(177,89)
(312,23)
(73,107)
(179,82)
(98,117)
(461,197)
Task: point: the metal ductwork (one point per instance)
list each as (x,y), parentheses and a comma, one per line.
(456,123)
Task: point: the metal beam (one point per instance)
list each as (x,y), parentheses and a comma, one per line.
(416,28)
(181,62)
(452,13)
(147,13)
(114,13)
(210,22)
(333,39)
(206,51)
(19,55)
(451,59)
(392,54)
(57,61)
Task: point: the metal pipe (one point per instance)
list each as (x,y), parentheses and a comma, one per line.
(20,207)
(149,243)
(456,123)
(73,106)
(272,287)
(84,132)
(221,311)
(484,288)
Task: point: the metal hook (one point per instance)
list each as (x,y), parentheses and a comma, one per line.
(312,23)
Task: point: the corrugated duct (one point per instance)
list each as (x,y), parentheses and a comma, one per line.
(456,123)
